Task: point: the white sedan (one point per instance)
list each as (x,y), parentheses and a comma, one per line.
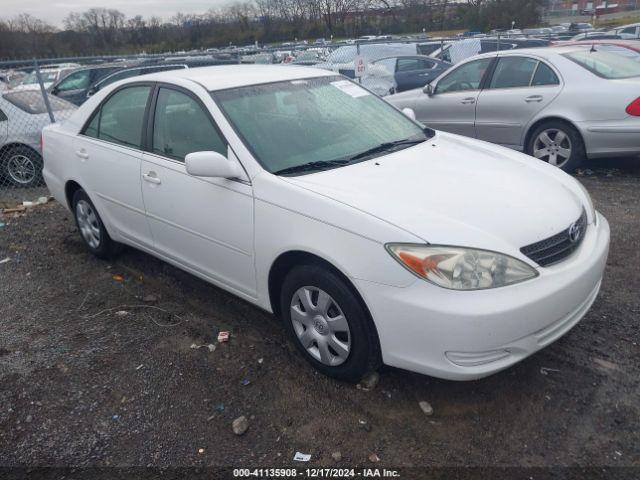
(376,240)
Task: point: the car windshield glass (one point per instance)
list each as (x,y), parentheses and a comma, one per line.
(307,122)
(605,64)
(34,104)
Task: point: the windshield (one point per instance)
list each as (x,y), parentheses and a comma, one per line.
(298,122)
(605,64)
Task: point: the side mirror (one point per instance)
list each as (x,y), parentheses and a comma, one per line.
(428,89)
(409,113)
(211,164)
(91,92)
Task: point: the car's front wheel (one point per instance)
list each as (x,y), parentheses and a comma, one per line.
(91,228)
(557,143)
(328,323)
(22,166)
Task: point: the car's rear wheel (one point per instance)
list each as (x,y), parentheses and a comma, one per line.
(22,166)
(91,228)
(558,144)
(328,323)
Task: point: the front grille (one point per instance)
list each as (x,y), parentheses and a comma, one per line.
(558,247)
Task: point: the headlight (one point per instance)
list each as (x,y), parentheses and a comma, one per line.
(461,268)
(591,210)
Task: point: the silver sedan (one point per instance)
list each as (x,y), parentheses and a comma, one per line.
(560,105)
(22,116)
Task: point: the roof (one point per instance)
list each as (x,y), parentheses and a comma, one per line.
(630,44)
(537,51)
(220,77)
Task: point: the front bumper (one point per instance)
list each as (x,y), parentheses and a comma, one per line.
(467,335)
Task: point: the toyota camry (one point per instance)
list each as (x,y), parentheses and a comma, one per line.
(375,239)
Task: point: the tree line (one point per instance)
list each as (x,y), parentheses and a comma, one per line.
(99,31)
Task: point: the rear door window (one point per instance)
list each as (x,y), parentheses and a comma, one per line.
(408,64)
(512,72)
(544,76)
(120,119)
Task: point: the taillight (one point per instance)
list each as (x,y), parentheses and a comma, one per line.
(634,108)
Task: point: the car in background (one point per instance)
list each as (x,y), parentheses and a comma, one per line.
(305,57)
(23,114)
(374,239)
(412,71)
(538,31)
(128,73)
(595,35)
(540,101)
(457,51)
(49,75)
(74,87)
(627,32)
(342,59)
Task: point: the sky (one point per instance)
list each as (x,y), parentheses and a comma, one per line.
(54,11)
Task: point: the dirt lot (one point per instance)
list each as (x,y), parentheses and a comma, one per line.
(86,385)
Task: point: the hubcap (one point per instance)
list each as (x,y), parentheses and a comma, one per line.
(21,169)
(553,146)
(88,223)
(320,326)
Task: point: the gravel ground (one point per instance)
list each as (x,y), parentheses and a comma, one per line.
(97,369)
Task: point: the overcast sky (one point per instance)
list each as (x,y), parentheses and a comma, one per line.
(54,11)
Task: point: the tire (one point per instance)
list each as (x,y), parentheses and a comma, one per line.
(322,339)
(92,230)
(560,136)
(22,167)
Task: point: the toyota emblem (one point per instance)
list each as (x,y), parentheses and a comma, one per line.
(575,232)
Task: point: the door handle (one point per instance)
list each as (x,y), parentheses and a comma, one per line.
(533,98)
(151,177)
(82,153)
(468,101)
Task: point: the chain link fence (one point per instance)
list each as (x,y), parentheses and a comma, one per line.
(34,94)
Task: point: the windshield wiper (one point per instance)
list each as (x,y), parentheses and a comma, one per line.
(385,147)
(312,166)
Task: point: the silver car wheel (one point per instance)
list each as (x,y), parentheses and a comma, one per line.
(553,146)
(88,223)
(320,326)
(21,169)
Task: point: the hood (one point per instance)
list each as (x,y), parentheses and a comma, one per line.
(456,191)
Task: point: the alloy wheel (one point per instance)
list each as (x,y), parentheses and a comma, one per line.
(553,146)
(320,325)
(21,169)
(88,223)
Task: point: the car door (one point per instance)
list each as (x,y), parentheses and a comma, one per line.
(414,73)
(452,106)
(203,224)
(108,151)
(73,88)
(518,89)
